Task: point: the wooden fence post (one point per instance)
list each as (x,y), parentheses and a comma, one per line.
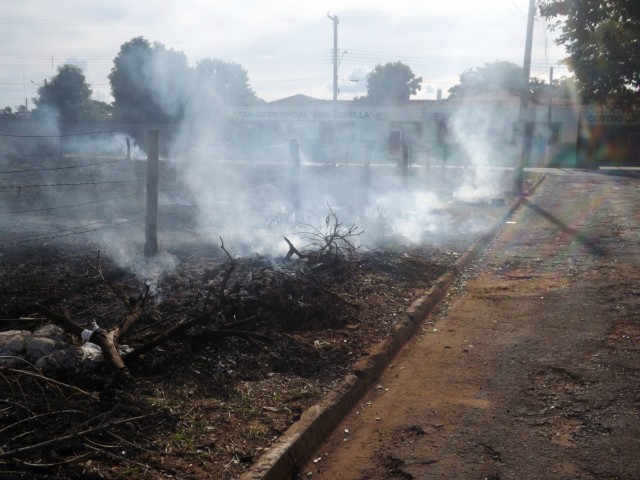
(405,166)
(294,150)
(367,167)
(151,218)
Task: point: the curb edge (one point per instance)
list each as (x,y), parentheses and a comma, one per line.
(301,439)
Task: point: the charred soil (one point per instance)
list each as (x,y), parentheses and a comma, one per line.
(208,403)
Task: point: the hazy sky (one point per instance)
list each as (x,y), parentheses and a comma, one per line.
(285,45)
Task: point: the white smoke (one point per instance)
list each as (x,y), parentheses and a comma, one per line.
(481,133)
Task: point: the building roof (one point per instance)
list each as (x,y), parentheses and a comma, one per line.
(494,98)
(298,100)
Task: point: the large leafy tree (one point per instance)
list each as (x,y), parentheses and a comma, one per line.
(602,38)
(560,89)
(507,77)
(149,83)
(67,94)
(224,82)
(491,77)
(390,84)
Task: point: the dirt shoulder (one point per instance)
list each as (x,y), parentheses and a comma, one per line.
(530,368)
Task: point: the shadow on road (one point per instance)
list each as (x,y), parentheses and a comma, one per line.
(590,243)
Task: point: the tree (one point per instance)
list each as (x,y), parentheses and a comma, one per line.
(227,82)
(490,78)
(390,84)
(67,94)
(602,39)
(99,111)
(560,89)
(508,77)
(149,83)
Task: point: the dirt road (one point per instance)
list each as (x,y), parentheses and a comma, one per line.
(530,368)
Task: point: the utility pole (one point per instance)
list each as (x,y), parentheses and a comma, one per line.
(550,95)
(548,152)
(524,102)
(335,55)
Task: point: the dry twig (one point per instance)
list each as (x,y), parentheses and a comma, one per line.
(71,436)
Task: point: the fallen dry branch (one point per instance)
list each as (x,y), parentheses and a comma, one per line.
(66,461)
(38,417)
(63,320)
(52,381)
(165,336)
(106,340)
(178,330)
(328,245)
(66,438)
(293,251)
(134,315)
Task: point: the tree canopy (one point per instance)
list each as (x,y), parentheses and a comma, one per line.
(602,39)
(67,94)
(390,84)
(228,82)
(149,83)
(491,77)
(495,77)
(152,84)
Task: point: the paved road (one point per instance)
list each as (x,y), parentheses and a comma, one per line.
(530,369)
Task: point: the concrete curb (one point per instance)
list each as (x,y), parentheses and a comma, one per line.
(294,448)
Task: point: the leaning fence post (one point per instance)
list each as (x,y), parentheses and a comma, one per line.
(151,218)
(294,150)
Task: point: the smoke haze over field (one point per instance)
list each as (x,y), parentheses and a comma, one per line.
(235,180)
(285,46)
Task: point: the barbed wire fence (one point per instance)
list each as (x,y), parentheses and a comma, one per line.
(52,195)
(57,196)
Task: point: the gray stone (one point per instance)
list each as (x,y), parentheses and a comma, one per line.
(64,360)
(37,347)
(12,344)
(50,331)
(50,351)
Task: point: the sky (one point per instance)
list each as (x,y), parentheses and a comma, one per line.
(285,46)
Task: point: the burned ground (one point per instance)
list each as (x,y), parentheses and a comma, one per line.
(212,402)
(278,335)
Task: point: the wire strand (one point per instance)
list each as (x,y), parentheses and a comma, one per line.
(6,172)
(69,233)
(10,135)
(71,205)
(18,187)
